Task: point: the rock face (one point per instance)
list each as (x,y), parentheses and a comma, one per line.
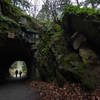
(74,49)
(88,26)
(82,30)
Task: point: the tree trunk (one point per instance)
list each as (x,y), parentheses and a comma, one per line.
(78,3)
(92,5)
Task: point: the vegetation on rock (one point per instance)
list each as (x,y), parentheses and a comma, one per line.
(60,53)
(86,12)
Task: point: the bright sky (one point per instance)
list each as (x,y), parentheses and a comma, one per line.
(74,1)
(39,3)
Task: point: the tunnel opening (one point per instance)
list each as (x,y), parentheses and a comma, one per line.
(13,50)
(18,70)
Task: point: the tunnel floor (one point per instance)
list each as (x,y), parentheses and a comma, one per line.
(17,90)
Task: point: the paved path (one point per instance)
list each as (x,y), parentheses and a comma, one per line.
(17,91)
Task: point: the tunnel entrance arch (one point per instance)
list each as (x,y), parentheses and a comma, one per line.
(14,50)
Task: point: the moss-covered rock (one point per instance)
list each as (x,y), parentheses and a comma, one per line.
(30,22)
(88,56)
(81,31)
(79,41)
(85,21)
(85,12)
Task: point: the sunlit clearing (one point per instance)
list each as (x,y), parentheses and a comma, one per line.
(18,69)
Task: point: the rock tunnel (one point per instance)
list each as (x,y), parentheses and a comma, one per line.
(14,50)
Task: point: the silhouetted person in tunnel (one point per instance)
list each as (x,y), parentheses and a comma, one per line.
(16,73)
(20,73)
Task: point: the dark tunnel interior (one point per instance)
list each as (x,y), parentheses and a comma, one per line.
(14,50)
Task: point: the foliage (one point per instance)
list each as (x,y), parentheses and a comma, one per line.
(43,48)
(81,11)
(7,20)
(57,28)
(33,22)
(24,68)
(58,35)
(71,57)
(44,22)
(29,17)
(9,10)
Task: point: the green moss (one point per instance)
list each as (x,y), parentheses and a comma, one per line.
(44,22)
(78,10)
(71,57)
(52,28)
(8,25)
(9,10)
(44,52)
(30,18)
(57,35)
(85,61)
(7,20)
(84,77)
(59,45)
(80,70)
(75,10)
(57,27)
(32,22)
(43,48)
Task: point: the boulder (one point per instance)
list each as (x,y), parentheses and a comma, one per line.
(78,41)
(89,27)
(88,56)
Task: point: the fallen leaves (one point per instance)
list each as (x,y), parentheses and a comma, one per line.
(51,91)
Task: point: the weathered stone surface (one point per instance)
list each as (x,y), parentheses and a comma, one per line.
(83,34)
(88,56)
(78,41)
(88,27)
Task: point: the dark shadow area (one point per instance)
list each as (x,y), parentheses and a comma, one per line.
(13,50)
